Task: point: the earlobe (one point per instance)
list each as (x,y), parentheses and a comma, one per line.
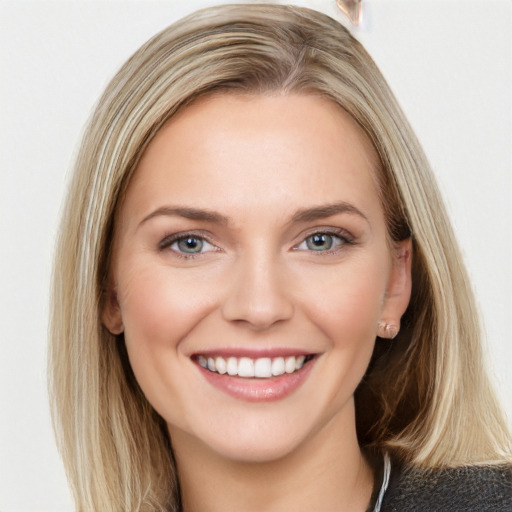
(388,331)
(398,291)
(111,315)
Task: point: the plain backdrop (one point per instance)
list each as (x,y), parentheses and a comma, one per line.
(448,61)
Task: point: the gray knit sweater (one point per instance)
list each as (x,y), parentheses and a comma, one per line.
(466,489)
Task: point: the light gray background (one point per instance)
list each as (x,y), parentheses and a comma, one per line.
(448,61)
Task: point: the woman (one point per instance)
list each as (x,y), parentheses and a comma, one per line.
(258,300)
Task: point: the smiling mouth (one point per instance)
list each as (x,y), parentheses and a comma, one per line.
(259,368)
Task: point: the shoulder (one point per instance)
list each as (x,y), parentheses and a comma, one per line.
(465,489)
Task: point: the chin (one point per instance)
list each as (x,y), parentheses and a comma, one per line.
(261,433)
(256,449)
(245,436)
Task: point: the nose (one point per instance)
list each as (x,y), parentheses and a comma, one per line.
(257,294)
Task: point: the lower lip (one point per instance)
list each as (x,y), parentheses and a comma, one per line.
(258,390)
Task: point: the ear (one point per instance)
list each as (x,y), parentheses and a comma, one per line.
(111,314)
(398,290)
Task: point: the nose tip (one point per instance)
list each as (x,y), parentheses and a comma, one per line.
(258,297)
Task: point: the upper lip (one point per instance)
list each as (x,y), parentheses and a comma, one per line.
(253,353)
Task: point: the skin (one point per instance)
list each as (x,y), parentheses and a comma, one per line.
(257,161)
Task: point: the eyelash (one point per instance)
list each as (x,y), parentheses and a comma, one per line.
(343,236)
(169,240)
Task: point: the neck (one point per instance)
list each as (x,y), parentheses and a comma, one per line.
(327,472)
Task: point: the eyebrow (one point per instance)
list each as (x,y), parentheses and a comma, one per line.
(302,215)
(187,213)
(324,211)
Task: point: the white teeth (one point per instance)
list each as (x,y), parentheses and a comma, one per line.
(262,368)
(232,366)
(289,364)
(278,366)
(221,365)
(245,367)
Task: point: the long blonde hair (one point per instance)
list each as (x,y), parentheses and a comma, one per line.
(425,398)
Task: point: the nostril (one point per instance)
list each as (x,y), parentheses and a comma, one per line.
(257,310)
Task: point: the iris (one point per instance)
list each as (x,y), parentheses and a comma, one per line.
(190,244)
(320,242)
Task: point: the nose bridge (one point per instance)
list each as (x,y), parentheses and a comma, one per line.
(257,292)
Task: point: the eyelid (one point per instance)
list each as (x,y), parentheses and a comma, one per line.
(167,241)
(346,238)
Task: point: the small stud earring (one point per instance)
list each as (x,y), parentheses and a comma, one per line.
(388,331)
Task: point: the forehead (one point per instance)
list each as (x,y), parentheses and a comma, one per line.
(264,150)
(293,113)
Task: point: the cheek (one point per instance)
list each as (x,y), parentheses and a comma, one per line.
(346,303)
(159,309)
(158,306)
(347,315)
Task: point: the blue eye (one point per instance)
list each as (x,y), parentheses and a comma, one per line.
(320,242)
(186,245)
(323,242)
(189,245)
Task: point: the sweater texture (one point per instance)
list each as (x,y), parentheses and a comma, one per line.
(465,489)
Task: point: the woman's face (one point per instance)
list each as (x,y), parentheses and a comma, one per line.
(252,240)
